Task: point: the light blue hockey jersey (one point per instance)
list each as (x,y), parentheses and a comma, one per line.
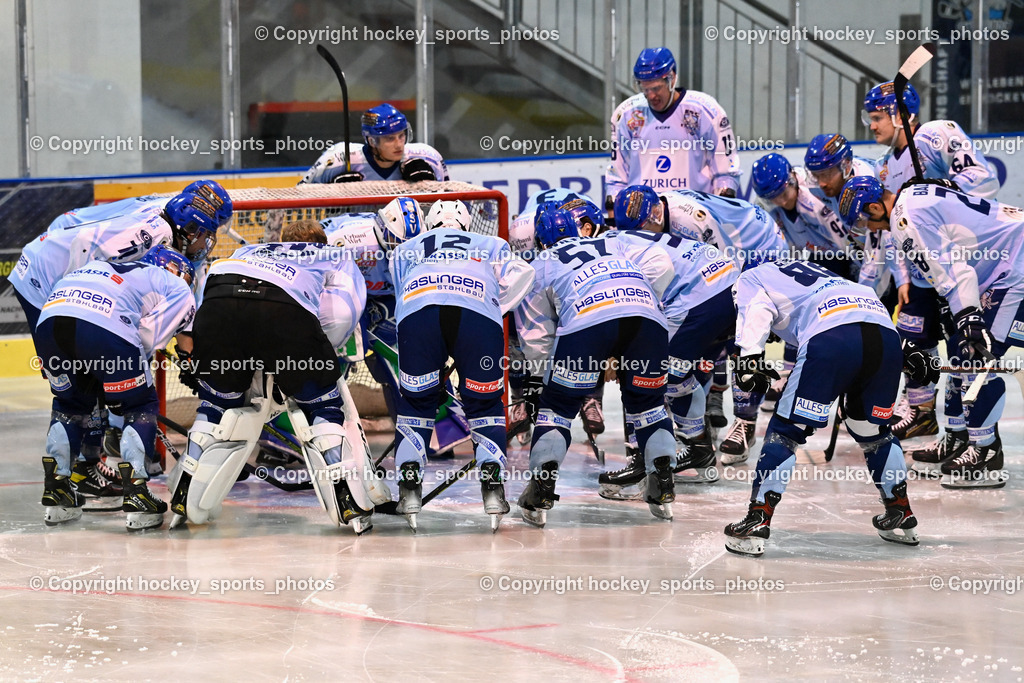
(736,228)
(119,232)
(797,300)
(700,272)
(141,303)
(813,224)
(963,245)
(583,282)
(448,267)
(522,233)
(354,232)
(331,163)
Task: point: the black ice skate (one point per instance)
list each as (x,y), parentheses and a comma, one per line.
(660,489)
(747,536)
(612,484)
(91,483)
(145,511)
(492,489)
(410,492)
(539,495)
(977,467)
(112,442)
(897,523)
(696,456)
(714,413)
(359,519)
(738,442)
(61,499)
(918,422)
(179,500)
(928,460)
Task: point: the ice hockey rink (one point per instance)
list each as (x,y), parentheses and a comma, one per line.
(270,591)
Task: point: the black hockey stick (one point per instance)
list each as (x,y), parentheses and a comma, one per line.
(915,61)
(830,450)
(323,52)
(391,507)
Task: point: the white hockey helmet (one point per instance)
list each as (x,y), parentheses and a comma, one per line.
(449,213)
(400,220)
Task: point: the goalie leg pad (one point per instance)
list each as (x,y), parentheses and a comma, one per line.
(220,460)
(332,464)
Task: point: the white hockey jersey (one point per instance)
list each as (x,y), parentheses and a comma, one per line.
(963,245)
(118,232)
(449,267)
(812,225)
(736,228)
(797,300)
(141,303)
(689,146)
(332,163)
(583,282)
(354,232)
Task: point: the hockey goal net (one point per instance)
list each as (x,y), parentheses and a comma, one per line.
(259,215)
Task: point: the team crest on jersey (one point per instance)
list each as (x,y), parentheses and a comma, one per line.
(700,215)
(691,121)
(884,173)
(724,123)
(901,224)
(635,121)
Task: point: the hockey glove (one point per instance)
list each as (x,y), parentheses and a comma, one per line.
(946,319)
(187,371)
(523,414)
(754,375)
(415,169)
(975,339)
(919,365)
(350,177)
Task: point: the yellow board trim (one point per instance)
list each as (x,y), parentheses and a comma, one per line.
(16,354)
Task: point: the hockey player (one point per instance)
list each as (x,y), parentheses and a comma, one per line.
(945,152)
(740,231)
(848,349)
(96,334)
(969,249)
(670,138)
(452,289)
(702,318)
(287,306)
(119,232)
(389,153)
(595,299)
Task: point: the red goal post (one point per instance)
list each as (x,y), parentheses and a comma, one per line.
(260,213)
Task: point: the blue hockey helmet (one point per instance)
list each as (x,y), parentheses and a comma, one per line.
(384,119)
(401,220)
(582,209)
(882,97)
(633,207)
(196,213)
(858,192)
(553,223)
(654,62)
(827,151)
(163,256)
(770,175)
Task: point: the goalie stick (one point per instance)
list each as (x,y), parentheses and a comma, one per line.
(329,58)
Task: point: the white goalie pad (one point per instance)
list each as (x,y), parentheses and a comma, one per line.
(377,490)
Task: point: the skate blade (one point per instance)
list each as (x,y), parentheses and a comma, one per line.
(752,546)
(902,536)
(495,521)
(411,519)
(537,518)
(661,510)
(139,521)
(986,480)
(705,475)
(176,521)
(927,469)
(59,515)
(361,525)
(109,504)
(732,458)
(616,492)
(768,407)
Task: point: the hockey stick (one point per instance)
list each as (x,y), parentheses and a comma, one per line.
(915,61)
(830,450)
(323,52)
(391,508)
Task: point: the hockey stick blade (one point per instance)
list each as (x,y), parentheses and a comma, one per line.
(391,507)
(916,60)
(340,75)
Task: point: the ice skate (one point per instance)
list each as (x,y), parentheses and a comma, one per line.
(918,422)
(492,489)
(410,492)
(928,460)
(617,485)
(179,498)
(145,511)
(660,489)
(89,481)
(359,519)
(747,536)
(897,523)
(61,499)
(539,495)
(977,467)
(714,414)
(698,457)
(736,446)
(593,416)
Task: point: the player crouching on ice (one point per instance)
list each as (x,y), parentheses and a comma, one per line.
(452,289)
(96,334)
(595,299)
(848,348)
